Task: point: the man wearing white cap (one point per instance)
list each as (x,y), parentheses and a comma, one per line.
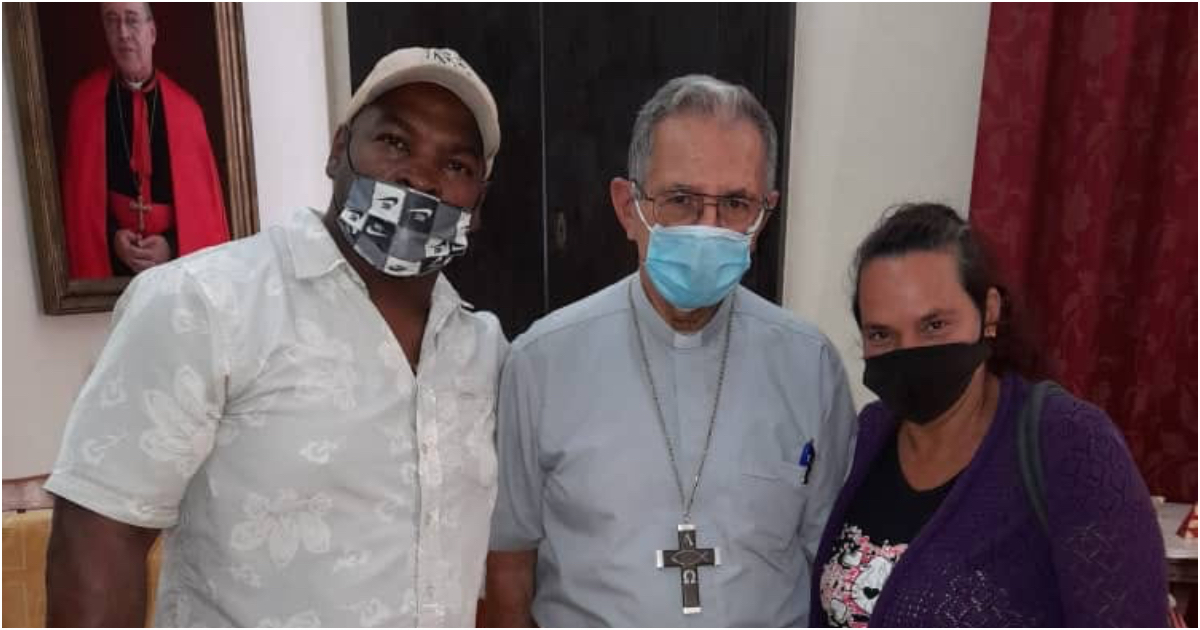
(307,413)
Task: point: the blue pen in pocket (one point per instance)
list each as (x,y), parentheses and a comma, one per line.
(807,455)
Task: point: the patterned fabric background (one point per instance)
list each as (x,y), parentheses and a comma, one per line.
(1085,190)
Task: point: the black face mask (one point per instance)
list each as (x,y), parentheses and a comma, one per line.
(920,384)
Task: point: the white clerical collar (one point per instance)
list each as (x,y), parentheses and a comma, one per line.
(135,86)
(659,328)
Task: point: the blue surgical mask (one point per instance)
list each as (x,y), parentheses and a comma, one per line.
(694,266)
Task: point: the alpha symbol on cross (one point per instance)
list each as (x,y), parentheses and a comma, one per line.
(688,559)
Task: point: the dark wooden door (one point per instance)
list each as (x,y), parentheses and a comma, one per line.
(568,79)
(503,270)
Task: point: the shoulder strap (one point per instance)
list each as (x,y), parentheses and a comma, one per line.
(1029,455)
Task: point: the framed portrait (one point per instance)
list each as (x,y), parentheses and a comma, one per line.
(135,129)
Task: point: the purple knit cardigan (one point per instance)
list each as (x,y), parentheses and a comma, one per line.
(983,558)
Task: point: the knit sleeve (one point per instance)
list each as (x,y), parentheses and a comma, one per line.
(1106,544)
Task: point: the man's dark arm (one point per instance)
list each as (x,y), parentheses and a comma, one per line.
(509,593)
(95,569)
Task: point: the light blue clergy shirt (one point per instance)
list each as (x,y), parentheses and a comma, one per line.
(585,478)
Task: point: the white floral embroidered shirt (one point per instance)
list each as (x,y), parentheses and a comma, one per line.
(252,402)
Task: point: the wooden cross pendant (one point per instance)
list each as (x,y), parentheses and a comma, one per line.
(688,559)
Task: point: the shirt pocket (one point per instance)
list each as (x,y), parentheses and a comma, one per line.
(773,495)
(475,406)
(475,398)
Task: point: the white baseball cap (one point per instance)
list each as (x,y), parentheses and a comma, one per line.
(440,66)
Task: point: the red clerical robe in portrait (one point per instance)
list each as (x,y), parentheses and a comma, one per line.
(198,206)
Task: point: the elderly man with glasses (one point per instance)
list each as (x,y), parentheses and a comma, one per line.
(670,447)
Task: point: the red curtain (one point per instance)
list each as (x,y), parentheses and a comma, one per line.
(1085,191)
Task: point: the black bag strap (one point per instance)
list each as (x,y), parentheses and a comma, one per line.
(1029,454)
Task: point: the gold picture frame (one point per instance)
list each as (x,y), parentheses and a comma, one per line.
(62,294)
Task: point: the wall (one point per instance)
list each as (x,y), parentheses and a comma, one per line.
(48,358)
(285,55)
(885,109)
(45,358)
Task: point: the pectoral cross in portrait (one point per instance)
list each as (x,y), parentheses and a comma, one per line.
(141,208)
(688,559)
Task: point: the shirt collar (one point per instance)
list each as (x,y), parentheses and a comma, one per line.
(444,302)
(313,251)
(148,85)
(659,329)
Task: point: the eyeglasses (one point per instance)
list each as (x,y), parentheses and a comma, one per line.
(133,22)
(679,207)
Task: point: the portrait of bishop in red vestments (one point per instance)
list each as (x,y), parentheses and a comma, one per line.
(139,182)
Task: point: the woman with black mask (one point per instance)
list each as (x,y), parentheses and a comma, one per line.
(949,516)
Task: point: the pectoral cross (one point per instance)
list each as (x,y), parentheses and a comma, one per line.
(688,559)
(141,208)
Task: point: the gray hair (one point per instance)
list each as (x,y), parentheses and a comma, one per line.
(699,94)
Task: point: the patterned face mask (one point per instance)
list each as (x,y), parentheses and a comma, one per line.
(400,231)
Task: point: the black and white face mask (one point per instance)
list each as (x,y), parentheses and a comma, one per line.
(400,231)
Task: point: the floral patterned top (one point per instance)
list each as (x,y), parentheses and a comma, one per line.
(884,517)
(252,402)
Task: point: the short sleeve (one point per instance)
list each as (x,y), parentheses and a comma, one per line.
(147,415)
(517,520)
(836,437)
